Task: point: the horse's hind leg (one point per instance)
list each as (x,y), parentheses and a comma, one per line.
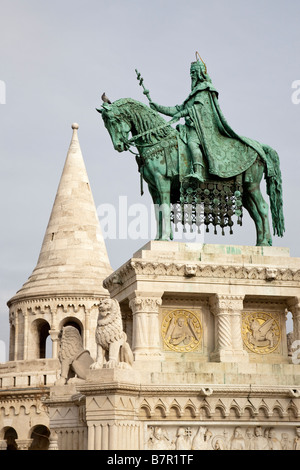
(161,201)
(259,211)
(254,214)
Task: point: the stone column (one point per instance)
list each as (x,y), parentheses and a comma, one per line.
(25,333)
(91,437)
(146,332)
(3,444)
(14,338)
(23,444)
(229,344)
(87,327)
(114,435)
(54,335)
(294,308)
(53,441)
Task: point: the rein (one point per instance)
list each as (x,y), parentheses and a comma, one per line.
(151,131)
(139,159)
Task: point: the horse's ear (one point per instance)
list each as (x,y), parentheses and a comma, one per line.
(99,110)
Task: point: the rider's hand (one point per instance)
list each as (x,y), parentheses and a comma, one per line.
(153,105)
(176,117)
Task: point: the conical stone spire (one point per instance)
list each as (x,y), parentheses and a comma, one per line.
(73,257)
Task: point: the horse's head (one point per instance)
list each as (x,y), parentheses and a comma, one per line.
(116,125)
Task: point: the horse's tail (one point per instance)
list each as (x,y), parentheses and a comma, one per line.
(274,191)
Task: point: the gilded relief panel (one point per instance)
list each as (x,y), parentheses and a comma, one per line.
(182,330)
(262,332)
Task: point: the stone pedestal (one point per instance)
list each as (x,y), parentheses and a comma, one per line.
(111,414)
(67,418)
(207,326)
(194,302)
(99,413)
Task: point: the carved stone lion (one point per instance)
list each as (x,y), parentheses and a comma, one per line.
(113,349)
(74,359)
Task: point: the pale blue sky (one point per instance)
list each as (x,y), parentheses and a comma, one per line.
(56,59)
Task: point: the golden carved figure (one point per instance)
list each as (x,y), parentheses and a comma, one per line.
(261,332)
(181,330)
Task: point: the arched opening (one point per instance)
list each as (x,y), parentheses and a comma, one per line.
(289,332)
(10,437)
(40,435)
(289,322)
(40,347)
(49,344)
(72,321)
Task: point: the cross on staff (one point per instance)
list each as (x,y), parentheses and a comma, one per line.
(141,83)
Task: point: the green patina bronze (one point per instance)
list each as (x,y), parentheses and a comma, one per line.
(202,163)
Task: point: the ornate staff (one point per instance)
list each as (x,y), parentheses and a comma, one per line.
(141,83)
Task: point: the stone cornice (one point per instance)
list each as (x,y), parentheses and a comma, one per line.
(190,390)
(137,267)
(12,395)
(44,299)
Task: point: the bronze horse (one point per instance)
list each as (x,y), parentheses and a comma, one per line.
(164,160)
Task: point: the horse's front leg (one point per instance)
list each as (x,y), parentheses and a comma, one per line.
(158,215)
(163,186)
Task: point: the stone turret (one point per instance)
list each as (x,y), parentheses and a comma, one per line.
(66,285)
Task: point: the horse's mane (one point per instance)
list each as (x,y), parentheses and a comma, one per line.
(143,118)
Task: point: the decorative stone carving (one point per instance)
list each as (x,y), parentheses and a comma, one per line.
(201,439)
(296,443)
(190,270)
(73,357)
(181,330)
(202,270)
(261,332)
(23,444)
(158,439)
(183,438)
(113,349)
(145,304)
(170,437)
(271,274)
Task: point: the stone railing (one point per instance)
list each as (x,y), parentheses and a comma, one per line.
(22,374)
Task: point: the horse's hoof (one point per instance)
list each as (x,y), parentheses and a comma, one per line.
(264,243)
